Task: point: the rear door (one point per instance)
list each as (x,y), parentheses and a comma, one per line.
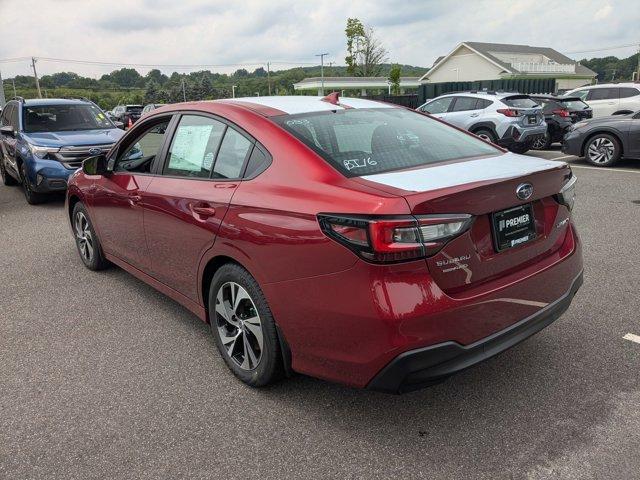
(604,101)
(464,111)
(187,201)
(10,118)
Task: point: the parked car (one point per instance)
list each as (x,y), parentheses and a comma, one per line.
(609,98)
(346,239)
(127,114)
(151,107)
(45,140)
(559,113)
(604,141)
(511,120)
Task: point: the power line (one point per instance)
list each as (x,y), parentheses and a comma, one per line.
(166,65)
(604,49)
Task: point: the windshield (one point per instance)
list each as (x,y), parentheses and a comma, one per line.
(574,104)
(368,141)
(520,101)
(61,118)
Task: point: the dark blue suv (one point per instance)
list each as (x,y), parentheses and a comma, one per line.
(43,141)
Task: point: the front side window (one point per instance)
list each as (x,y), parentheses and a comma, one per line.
(581,94)
(141,152)
(194,146)
(440,105)
(369,141)
(574,104)
(464,103)
(61,118)
(604,94)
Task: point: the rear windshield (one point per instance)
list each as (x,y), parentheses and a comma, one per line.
(574,104)
(520,101)
(60,118)
(134,108)
(368,141)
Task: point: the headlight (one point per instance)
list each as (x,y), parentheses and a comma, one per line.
(567,195)
(42,152)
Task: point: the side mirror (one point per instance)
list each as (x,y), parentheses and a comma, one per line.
(119,124)
(8,130)
(95,165)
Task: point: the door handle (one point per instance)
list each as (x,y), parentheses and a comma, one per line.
(474,115)
(134,199)
(203,210)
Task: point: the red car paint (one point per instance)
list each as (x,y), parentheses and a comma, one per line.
(343,318)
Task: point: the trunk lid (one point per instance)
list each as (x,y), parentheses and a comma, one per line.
(482,187)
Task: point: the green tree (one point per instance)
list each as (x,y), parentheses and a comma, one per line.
(151,93)
(355,33)
(394,78)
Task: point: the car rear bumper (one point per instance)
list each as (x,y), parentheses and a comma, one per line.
(426,366)
(519,135)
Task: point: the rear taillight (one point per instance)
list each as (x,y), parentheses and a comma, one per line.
(567,195)
(561,112)
(393,239)
(509,112)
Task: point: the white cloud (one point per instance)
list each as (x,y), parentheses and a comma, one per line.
(253,31)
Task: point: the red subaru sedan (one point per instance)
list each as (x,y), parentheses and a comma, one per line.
(346,239)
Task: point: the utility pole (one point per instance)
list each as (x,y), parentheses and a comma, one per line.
(13,81)
(35,75)
(184,92)
(638,74)
(269,78)
(322,55)
(2,99)
(614,75)
(233,91)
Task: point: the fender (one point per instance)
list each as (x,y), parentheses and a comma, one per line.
(488,125)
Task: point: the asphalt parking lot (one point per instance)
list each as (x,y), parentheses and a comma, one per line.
(103,377)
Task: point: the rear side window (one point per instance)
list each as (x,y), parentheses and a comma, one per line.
(520,101)
(604,94)
(626,92)
(464,103)
(482,103)
(194,146)
(232,155)
(369,141)
(582,94)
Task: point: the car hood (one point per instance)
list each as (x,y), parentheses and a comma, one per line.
(74,138)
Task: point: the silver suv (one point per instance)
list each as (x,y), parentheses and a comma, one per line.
(511,120)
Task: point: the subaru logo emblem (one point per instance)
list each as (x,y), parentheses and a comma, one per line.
(524,191)
(95,151)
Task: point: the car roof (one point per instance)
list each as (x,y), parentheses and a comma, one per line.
(609,85)
(482,94)
(294,104)
(42,102)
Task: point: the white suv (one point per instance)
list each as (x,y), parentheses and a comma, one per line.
(511,120)
(609,98)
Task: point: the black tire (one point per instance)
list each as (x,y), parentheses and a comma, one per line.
(7,179)
(87,241)
(250,315)
(542,143)
(520,148)
(486,134)
(602,150)
(33,198)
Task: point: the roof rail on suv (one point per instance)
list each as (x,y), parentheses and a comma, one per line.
(18,98)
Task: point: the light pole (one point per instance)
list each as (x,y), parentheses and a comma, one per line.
(322,55)
(233,91)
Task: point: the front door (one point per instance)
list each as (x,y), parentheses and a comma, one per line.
(116,203)
(438,107)
(186,204)
(604,101)
(8,153)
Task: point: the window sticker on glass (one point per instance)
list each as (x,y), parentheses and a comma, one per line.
(359,163)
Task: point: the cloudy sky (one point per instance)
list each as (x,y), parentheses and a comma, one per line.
(214,32)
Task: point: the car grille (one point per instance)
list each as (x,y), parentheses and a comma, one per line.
(72,157)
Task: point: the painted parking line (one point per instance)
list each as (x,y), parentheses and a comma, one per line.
(632,338)
(587,167)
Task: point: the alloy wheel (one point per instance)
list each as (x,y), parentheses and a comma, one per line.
(239,326)
(84,237)
(601,150)
(539,143)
